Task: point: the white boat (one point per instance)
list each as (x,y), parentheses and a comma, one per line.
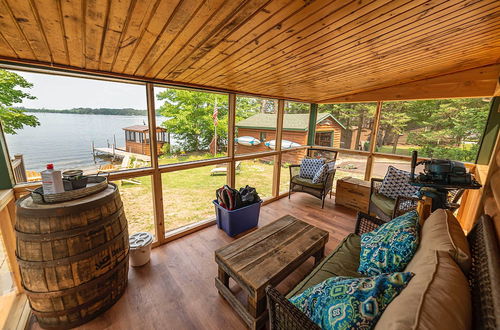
(247,140)
(285,144)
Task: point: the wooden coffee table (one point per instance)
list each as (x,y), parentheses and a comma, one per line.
(266,256)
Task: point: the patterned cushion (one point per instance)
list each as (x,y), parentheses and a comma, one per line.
(350,303)
(396,184)
(390,247)
(321,174)
(309,167)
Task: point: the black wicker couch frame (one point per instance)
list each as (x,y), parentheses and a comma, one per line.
(483,280)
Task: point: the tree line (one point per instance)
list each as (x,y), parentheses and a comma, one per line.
(446,128)
(90,111)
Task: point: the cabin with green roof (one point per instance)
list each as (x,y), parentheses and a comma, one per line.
(262,126)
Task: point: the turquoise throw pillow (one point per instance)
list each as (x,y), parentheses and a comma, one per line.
(350,303)
(390,247)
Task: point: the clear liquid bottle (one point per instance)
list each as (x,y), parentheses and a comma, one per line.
(52,181)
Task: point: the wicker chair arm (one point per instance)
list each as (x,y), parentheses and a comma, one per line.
(403,205)
(366,223)
(329,180)
(283,315)
(294,170)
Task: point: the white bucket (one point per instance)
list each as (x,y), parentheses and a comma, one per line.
(140,248)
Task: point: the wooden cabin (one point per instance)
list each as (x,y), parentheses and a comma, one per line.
(328,132)
(137,139)
(70,266)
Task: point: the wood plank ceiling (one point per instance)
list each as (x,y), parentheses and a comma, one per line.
(311,50)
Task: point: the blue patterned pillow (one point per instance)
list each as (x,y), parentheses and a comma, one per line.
(390,247)
(309,167)
(396,183)
(350,303)
(321,174)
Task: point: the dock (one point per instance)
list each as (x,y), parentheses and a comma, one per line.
(121,153)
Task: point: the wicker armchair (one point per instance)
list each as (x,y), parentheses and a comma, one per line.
(483,277)
(379,204)
(386,208)
(319,190)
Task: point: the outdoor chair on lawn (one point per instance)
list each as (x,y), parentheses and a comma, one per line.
(387,208)
(319,190)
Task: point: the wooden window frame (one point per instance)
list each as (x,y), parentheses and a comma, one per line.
(156,170)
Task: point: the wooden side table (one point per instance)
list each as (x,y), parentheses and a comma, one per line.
(266,257)
(353,193)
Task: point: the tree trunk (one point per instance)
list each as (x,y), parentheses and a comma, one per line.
(262,106)
(395,143)
(360,128)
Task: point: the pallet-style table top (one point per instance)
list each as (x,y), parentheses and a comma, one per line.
(270,252)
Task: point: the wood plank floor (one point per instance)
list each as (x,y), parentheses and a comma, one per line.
(176,289)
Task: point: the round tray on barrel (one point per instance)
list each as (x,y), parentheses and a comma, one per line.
(95,184)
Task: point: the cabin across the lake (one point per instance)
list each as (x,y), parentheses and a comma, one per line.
(137,139)
(262,127)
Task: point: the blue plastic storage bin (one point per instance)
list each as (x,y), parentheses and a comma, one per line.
(237,221)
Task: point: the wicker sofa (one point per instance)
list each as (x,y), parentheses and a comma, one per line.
(482,290)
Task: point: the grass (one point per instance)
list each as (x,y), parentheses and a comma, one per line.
(188,194)
(404,150)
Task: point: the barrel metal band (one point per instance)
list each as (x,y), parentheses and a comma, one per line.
(65,261)
(76,308)
(42,237)
(81,287)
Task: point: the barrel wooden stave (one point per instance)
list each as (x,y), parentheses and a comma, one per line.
(73,259)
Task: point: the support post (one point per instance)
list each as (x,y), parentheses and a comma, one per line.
(6,174)
(313,118)
(277,157)
(231,168)
(373,142)
(156,180)
(490,133)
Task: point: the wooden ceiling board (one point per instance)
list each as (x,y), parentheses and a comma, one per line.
(342,50)
(305,50)
(299,32)
(207,18)
(268,18)
(262,33)
(477,82)
(335,57)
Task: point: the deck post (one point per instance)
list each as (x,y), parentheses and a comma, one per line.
(373,141)
(156,183)
(313,118)
(6,174)
(277,157)
(231,167)
(490,133)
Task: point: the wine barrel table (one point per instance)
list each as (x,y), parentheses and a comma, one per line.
(73,256)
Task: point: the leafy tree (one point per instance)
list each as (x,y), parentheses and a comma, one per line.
(12,118)
(352,116)
(296,107)
(191,119)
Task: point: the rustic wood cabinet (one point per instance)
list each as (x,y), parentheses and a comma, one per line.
(353,193)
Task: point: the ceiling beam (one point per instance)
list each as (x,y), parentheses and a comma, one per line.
(477,82)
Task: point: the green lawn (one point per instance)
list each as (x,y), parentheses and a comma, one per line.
(404,150)
(188,194)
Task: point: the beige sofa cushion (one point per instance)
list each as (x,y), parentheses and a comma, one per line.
(442,232)
(437,297)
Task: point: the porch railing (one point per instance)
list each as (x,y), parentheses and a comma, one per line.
(19,169)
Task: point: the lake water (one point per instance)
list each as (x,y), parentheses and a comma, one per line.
(66,139)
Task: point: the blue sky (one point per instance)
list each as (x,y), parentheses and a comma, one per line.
(59,92)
